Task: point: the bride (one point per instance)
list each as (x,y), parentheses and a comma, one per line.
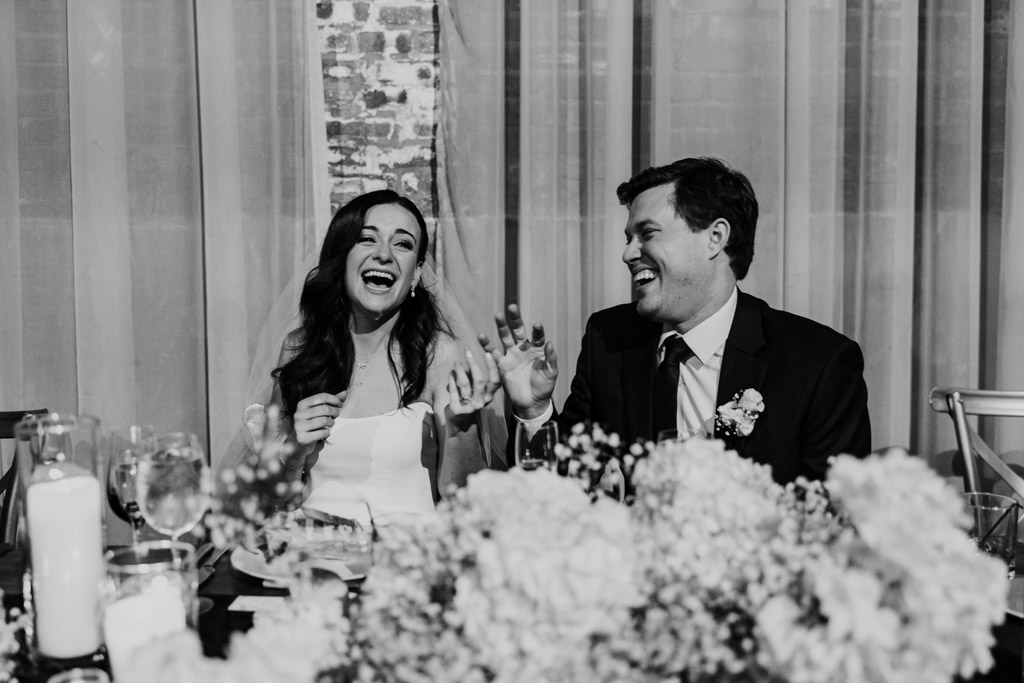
(380,397)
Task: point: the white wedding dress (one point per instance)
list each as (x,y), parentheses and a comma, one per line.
(380,459)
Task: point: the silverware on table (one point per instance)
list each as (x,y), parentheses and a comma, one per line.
(207,567)
(202,552)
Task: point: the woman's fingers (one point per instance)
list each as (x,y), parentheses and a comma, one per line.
(471,387)
(488,346)
(320,401)
(485,381)
(493,375)
(454,397)
(314,416)
(463,383)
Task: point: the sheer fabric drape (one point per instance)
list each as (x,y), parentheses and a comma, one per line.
(570,147)
(160,184)
(872,132)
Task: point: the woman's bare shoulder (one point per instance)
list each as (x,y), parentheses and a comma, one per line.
(446,351)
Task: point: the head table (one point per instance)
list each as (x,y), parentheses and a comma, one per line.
(227,584)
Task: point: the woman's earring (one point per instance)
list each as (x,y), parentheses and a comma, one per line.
(413,291)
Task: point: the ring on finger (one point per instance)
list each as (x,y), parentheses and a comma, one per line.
(464,400)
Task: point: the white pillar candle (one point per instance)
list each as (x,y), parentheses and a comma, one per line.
(67,564)
(157,610)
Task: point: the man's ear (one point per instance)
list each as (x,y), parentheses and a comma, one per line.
(718,236)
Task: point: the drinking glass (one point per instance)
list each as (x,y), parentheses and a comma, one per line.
(613,481)
(674,435)
(994,525)
(668,435)
(331,546)
(150,593)
(80,676)
(537,449)
(173,483)
(126,447)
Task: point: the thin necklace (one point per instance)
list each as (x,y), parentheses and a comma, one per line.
(362,366)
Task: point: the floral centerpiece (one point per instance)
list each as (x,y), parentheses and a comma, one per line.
(869,577)
(514,580)
(599,461)
(715,573)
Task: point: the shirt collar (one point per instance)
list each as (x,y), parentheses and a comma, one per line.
(708,337)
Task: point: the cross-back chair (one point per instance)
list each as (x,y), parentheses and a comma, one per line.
(959,403)
(8,482)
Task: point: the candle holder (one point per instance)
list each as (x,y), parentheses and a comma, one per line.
(61,526)
(150,593)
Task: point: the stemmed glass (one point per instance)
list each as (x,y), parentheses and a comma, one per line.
(125,449)
(674,436)
(173,483)
(537,449)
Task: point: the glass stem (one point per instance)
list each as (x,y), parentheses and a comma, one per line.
(137,523)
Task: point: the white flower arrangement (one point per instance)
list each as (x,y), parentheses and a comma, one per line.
(599,461)
(12,642)
(738,416)
(746,580)
(512,581)
(300,642)
(715,573)
(248,496)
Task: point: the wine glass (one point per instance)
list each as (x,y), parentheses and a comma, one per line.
(90,675)
(536,449)
(125,448)
(173,483)
(674,435)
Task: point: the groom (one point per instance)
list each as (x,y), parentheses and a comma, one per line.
(691,341)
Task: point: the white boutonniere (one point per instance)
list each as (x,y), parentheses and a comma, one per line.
(737,417)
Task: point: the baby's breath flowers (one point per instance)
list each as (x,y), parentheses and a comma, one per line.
(599,461)
(249,495)
(301,641)
(714,573)
(513,580)
(868,577)
(13,624)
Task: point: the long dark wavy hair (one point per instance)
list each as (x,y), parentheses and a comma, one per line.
(321,351)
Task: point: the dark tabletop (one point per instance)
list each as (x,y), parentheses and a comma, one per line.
(215,624)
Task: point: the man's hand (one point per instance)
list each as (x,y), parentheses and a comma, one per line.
(527,366)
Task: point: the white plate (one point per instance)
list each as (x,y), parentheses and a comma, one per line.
(253,564)
(1015,600)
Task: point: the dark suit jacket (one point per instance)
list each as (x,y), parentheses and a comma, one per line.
(811,378)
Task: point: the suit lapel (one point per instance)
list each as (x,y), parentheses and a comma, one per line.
(741,368)
(638,389)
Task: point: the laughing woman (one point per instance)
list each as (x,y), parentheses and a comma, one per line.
(383,400)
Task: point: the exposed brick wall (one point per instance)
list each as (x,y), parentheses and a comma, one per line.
(380,85)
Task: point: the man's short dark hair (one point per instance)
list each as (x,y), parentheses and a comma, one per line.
(706,189)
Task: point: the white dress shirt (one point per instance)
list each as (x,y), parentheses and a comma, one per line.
(698,376)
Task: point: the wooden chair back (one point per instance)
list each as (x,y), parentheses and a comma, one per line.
(958,404)
(9,480)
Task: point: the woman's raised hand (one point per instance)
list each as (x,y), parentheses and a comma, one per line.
(470,387)
(314,417)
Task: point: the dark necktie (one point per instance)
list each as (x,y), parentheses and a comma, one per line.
(666,384)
